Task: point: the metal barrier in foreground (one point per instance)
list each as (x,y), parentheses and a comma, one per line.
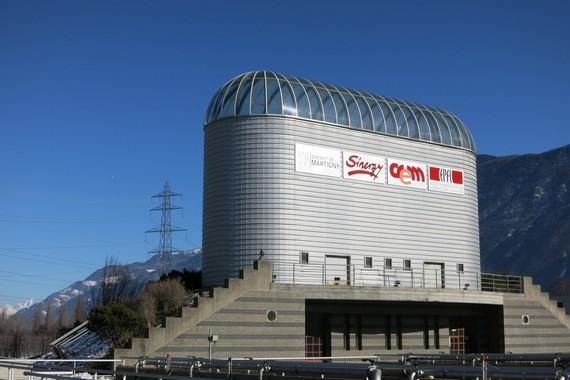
(41,368)
(470,366)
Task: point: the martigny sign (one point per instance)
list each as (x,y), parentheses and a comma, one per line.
(318,160)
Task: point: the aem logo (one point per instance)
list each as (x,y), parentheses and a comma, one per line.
(407,173)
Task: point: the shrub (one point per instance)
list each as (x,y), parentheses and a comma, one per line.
(116,322)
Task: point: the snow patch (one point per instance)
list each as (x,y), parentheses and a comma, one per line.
(89,283)
(85,375)
(10,310)
(563,272)
(538,192)
(151,270)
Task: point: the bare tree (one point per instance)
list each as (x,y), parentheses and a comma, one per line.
(79,314)
(3,320)
(116,283)
(147,304)
(48,322)
(162,299)
(38,319)
(62,317)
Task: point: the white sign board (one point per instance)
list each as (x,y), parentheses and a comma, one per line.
(364,167)
(318,160)
(446,180)
(407,174)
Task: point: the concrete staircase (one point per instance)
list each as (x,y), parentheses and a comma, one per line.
(534,292)
(258,278)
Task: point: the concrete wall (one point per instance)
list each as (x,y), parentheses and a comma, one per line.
(244,329)
(543,333)
(239,315)
(254,199)
(548,327)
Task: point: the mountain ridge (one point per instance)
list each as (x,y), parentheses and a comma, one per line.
(524,214)
(141,273)
(8,310)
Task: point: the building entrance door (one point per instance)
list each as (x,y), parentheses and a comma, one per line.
(337,270)
(457,341)
(433,275)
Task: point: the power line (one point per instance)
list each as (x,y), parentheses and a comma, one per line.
(47,261)
(28,282)
(12,299)
(46,257)
(53,247)
(31,275)
(26,219)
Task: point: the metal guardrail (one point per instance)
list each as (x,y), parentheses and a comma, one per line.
(56,368)
(469,366)
(411,366)
(286,272)
(491,282)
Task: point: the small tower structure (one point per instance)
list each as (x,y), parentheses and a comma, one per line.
(165,229)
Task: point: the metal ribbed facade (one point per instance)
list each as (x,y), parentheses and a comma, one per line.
(256,199)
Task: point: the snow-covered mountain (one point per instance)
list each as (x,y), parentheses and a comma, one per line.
(86,290)
(9,310)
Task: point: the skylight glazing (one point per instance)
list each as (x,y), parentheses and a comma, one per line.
(270,93)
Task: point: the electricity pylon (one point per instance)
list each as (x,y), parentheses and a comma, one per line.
(165,248)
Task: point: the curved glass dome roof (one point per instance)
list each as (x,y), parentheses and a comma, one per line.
(270,93)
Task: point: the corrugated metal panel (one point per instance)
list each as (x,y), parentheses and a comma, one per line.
(254,199)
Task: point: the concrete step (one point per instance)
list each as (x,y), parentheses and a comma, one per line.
(534,291)
(258,278)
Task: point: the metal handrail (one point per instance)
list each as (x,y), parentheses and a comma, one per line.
(291,272)
(507,366)
(28,366)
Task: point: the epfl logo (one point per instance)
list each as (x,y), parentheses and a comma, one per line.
(407,173)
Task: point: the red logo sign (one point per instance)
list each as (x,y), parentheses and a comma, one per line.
(358,165)
(445,175)
(446,180)
(407,173)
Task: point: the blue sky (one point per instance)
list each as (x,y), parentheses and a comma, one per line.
(101,102)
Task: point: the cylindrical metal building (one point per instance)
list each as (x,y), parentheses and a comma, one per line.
(337,186)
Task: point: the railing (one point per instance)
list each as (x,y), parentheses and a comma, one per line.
(351,275)
(491,282)
(411,366)
(50,368)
